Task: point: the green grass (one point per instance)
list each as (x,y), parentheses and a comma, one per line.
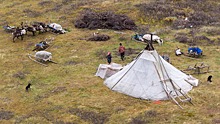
(69,91)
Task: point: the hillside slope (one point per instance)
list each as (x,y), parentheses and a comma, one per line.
(68,92)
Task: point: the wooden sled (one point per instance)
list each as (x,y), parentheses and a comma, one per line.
(47,46)
(198,68)
(39,60)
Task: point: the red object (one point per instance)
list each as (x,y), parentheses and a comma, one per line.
(157,102)
(121,49)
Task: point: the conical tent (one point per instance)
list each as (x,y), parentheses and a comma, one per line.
(150,77)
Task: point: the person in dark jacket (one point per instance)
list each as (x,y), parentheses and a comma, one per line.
(109,58)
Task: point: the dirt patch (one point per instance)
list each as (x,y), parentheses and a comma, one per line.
(62,122)
(203,40)
(182,38)
(50,93)
(59,90)
(45,3)
(213,31)
(57,7)
(30,46)
(13,4)
(156,10)
(5,100)
(66,1)
(101,54)
(130,51)
(100,37)
(20,75)
(138,120)
(6,115)
(191,39)
(45,114)
(144,118)
(31,13)
(71,62)
(95,118)
(104,20)
(151,113)
(216,121)
(143,29)
(182,14)
(119,109)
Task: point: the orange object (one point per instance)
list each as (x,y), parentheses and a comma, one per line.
(157,102)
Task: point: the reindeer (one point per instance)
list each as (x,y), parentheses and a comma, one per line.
(28,28)
(39,28)
(18,33)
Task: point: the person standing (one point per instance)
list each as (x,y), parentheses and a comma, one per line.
(109,58)
(121,50)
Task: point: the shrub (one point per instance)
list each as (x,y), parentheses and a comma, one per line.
(182,38)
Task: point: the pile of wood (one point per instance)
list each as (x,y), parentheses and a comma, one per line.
(104,20)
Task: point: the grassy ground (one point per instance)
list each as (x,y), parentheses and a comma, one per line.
(68,92)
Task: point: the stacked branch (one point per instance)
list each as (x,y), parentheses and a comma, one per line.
(104,20)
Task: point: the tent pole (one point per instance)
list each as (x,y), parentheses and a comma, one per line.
(184,95)
(165,89)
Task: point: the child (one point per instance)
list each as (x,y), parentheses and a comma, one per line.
(109,58)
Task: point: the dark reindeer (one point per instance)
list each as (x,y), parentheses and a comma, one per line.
(40,26)
(18,33)
(28,28)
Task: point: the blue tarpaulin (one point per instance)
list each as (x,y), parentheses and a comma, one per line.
(196,50)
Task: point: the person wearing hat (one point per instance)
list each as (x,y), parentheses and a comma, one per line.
(109,58)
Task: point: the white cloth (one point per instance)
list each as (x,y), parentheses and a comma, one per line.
(43,55)
(56,26)
(178,52)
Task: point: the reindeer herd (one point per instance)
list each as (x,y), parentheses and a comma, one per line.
(36,27)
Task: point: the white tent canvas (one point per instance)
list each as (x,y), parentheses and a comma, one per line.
(150,77)
(104,70)
(56,26)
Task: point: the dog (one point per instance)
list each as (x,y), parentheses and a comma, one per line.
(28,87)
(209,79)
